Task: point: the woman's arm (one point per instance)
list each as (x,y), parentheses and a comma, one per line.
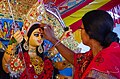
(65,51)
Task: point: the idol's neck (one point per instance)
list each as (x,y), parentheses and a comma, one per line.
(32,51)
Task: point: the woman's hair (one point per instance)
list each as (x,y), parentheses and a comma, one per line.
(99,25)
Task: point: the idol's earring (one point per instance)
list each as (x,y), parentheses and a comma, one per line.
(25,46)
(40,49)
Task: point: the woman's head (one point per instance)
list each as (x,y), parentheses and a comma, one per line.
(98,24)
(34,35)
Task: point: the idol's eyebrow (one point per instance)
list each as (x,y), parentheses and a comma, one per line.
(37,32)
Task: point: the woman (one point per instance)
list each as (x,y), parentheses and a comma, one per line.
(103,60)
(36,65)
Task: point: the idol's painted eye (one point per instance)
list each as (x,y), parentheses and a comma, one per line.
(36,34)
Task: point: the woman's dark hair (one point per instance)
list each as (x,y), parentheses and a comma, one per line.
(99,25)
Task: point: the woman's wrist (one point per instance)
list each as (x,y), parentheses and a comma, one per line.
(54,40)
(57,43)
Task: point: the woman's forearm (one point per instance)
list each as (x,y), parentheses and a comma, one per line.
(64,51)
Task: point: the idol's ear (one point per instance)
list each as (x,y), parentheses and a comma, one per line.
(25,43)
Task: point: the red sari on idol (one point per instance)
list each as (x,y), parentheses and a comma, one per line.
(29,72)
(105,65)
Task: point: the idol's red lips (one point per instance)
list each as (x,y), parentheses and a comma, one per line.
(39,41)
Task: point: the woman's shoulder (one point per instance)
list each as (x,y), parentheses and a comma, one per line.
(111,55)
(114,47)
(86,54)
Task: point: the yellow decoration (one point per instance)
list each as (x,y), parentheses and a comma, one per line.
(74,17)
(1,33)
(77,35)
(0,44)
(19,8)
(37,63)
(11,49)
(77,15)
(38,14)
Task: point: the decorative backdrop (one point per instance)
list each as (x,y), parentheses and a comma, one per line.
(71,10)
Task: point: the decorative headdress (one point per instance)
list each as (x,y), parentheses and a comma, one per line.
(44,13)
(38,14)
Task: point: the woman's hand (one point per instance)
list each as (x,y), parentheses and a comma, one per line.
(49,33)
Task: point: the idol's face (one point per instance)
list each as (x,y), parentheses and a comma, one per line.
(35,38)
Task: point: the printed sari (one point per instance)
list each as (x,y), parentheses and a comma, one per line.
(105,65)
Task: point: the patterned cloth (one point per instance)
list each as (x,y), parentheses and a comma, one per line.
(94,74)
(29,72)
(105,65)
(81,62)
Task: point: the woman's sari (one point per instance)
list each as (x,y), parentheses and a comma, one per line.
(105,65)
